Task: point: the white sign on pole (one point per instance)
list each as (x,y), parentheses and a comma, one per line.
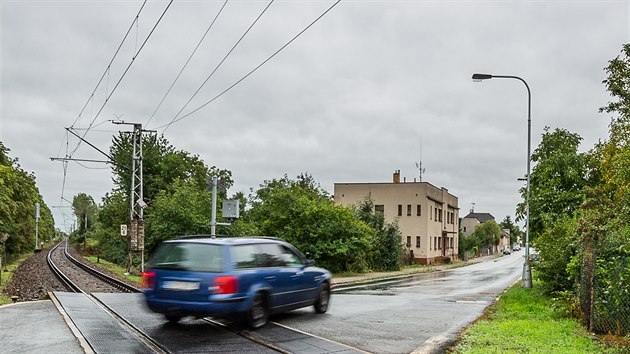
(37,211)
(123,230)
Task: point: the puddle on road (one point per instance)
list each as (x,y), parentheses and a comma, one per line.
(385,288)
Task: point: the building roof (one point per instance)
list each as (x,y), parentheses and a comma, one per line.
(481,217)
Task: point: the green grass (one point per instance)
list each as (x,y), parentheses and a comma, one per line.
(114,268)
(523,321)
(6,277)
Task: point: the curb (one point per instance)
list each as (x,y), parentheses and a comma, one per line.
(393,278)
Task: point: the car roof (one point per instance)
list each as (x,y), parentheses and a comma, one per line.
(225,240)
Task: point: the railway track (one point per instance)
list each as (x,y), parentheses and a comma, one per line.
(80,278)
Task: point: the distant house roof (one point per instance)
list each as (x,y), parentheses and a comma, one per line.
(481,217)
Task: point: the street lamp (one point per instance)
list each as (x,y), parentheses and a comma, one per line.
(527,271)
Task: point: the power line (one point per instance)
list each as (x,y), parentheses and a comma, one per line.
(124,73)
(187,61)
(106,73)
(219,65)
(110,63)
(253,70)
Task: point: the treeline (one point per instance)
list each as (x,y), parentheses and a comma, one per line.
(580,212)
(178,203)
(487,236)
(18,196)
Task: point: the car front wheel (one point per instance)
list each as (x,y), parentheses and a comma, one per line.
(321,305)
(258,315)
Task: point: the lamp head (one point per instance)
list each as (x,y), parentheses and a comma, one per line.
(480,77)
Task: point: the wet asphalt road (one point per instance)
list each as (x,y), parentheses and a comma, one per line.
(421,314)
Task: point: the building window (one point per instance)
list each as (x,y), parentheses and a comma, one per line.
(408,241)
(418,241)
(435,243)
(379,209)
(436,215)
(464,228)
(418,210)
(399,210)
(408,209)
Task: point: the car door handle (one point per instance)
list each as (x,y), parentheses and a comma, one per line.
(270,277)
(298,274)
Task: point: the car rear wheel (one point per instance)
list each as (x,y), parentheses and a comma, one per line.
(173,318)
(258,315)
(321,305)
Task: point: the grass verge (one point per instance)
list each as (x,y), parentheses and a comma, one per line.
(523,321)
(7,275)
(114,268)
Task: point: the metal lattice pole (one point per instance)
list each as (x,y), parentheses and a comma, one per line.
(135,239)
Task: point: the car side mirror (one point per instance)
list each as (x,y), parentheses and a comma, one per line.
(309,263)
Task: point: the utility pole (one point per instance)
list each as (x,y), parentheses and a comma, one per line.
(135,240)
(136,212)
(213,220)
(36,225)
(85,232)
(215,183)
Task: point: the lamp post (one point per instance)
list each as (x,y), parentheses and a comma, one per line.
(527,271)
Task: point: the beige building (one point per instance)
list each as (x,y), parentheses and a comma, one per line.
(505,240)
(469,222)
(427,216)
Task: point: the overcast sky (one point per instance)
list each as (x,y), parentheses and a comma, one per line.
(372,87)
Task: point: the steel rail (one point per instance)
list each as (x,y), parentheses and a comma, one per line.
(150,342)
(100,275)
(64,279)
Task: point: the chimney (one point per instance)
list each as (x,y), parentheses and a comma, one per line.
(397,176)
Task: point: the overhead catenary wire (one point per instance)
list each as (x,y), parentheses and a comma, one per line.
(106,74)
(176,119)
(124,73)
(219,64)
(253,70)
(110,64)
(187,61)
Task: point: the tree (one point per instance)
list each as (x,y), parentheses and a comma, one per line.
(487,235)
(181,210)
(162,165)
(603,229)
(85,210)
(302,213)
(114,212)
(18,196)
(515,232)
(387,251)
(168,174)
(557,180)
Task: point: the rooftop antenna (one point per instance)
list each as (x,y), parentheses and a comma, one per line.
(419,163)
(473,207)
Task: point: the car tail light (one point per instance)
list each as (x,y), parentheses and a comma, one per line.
(226,285)
(147,279)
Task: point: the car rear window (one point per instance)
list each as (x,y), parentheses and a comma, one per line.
(196,257)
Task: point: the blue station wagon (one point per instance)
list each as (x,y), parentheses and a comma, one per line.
(240,277)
